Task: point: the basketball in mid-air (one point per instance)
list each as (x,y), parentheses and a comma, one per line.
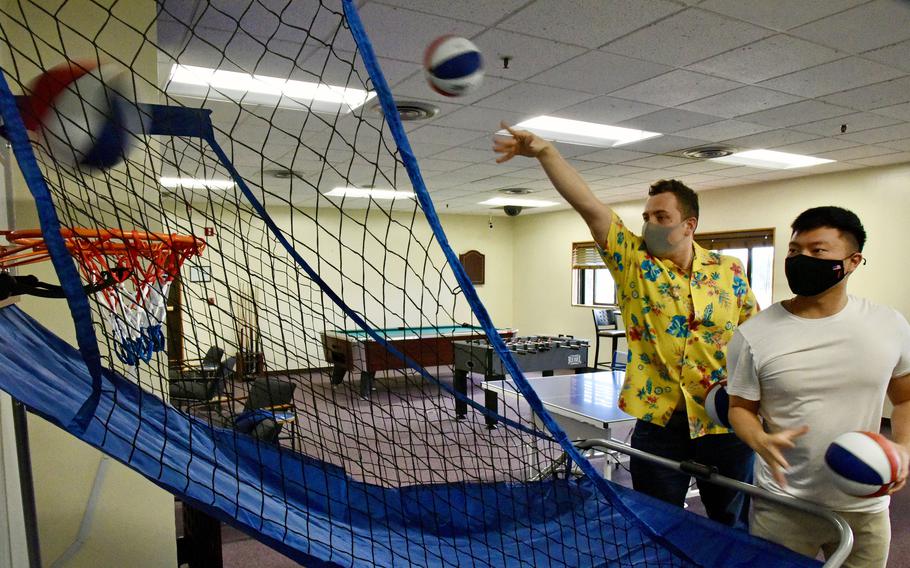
(84,114)
(453,66)
(864,464)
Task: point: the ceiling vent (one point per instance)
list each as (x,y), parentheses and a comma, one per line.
(708,152)
(285,174)
(410,111)
(516,190)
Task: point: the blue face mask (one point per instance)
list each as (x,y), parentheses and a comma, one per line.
(657,238)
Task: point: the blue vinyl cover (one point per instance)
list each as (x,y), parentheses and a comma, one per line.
(315,514)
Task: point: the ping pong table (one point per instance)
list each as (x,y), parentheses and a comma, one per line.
(584,405)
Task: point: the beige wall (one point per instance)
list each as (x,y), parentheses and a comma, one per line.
(880,196)
(133,520)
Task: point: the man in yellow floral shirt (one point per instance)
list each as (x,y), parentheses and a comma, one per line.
(680,305)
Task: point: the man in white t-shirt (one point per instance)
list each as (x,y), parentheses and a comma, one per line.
(812,368)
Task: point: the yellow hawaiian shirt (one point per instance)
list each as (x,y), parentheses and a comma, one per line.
(678,324)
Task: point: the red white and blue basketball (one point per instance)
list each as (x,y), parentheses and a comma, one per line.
(717,403)
(864,464)
(84,114)
(453,66)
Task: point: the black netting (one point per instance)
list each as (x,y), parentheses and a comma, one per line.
(257,348)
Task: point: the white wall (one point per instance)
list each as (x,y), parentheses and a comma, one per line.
(880,196)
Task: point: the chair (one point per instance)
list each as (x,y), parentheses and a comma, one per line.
(209,363)
(198,387)
(268,408)
(620,360)
(606,326)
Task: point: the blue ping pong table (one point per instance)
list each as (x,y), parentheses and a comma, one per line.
(584,405)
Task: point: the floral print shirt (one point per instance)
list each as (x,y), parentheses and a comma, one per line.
(678,324)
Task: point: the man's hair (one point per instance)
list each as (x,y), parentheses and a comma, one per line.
(838,218)
(685,197)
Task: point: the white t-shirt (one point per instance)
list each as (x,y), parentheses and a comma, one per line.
(830,374)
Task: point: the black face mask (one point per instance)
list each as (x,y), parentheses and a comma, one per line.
(810,276)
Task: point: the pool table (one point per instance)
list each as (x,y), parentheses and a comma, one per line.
(353,350)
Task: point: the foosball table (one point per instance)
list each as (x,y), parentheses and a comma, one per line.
(533,353)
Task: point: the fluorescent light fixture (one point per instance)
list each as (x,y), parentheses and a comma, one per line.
(369,192)
(582,133)
(194,183)
(516,202)
(203,82)
(771,160)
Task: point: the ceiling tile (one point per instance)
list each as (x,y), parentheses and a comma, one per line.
(872,97)
(533,99)
(612,170)
(766,58)
(893,55)
(480,119)
(779,14)
(869,26)
(473,155)
(902,145)
(814,147)
(477,12)
(664,144)
(405,34)
(883,134)
(723,130)
(670,41)
(669,120)
(606,110)
(599,72)
(740,101)
(701,166)
(855,122)
(587,23)
(900,112)
(796,113)
(856,152)
(676,88)
(529,55)
(613,156)
(770,139)
(658,162)
(833,77)
(886,159)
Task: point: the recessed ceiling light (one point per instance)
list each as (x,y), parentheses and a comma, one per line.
(582,133)
(197,183)
(410,111)
(517,202)
(771,160)
(369,192)
(203,82)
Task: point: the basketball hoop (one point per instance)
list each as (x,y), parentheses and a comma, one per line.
(142,266)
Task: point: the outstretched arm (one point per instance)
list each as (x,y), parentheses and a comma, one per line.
(563,176)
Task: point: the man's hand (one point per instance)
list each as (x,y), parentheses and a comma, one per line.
(902,473)
(522,143)
(770,447)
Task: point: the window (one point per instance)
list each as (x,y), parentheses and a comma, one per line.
(592,283)
(755,249)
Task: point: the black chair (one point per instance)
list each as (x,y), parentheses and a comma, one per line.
(208,364)
(606,326)
(268,409)
(197,387)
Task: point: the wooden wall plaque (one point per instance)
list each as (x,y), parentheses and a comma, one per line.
(473,263)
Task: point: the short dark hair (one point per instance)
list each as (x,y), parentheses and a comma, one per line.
(685,197)
(838,218)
